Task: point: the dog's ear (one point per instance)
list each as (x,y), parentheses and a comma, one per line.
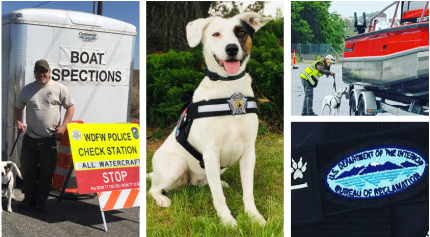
(195,30)
(255,20)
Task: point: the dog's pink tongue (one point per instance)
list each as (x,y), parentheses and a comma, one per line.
(231,66)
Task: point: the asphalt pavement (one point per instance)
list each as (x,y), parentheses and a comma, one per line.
(67,218)
(324,88)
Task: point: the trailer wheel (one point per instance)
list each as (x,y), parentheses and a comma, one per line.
(352,106)
(361,107)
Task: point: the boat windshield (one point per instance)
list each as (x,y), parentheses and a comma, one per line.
(408,6)
(412,11)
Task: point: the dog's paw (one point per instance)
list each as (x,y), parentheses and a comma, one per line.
(259,219)
(224,184)
(229,221)
(163,201)
(298,168)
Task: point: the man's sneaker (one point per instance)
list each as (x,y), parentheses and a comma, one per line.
(312,114)
(40,206)
(26,203)
(304,114)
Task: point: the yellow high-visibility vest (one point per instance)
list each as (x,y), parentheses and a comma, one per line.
(311,73)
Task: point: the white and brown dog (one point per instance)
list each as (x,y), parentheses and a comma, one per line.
(9,171)
(333,102)
(222,141)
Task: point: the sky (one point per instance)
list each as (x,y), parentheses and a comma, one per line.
(347,8)
(123,11)
(270,8)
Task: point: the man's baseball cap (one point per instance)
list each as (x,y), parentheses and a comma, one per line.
(41,63)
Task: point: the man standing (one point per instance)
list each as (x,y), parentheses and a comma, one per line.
(43,99)
(310,79)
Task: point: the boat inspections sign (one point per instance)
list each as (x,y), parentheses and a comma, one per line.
(105,156)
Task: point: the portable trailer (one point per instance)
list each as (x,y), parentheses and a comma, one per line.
(391,65)
(92,55)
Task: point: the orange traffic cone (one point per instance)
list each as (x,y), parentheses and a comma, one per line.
(64,161)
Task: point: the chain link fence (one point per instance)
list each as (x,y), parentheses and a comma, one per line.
(310,52)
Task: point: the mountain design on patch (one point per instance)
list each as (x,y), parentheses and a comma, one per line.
(408,164)
(352,172)
(375,167)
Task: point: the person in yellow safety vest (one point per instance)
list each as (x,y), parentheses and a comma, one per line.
(310,77)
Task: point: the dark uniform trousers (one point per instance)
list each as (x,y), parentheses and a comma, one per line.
(34,151)
(309,97)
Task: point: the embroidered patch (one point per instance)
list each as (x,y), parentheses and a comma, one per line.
(297,169)
(376,172)
(237,103)
(181,120)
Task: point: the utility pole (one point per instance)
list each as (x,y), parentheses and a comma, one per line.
(99,7)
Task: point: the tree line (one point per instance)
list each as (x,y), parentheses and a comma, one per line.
(311,23)
(166,21)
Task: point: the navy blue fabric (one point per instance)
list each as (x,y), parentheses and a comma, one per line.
(403,214)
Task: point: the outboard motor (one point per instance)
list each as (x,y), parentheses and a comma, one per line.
(360,27)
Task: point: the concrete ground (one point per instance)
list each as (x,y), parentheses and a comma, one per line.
(324,88)
(67,218)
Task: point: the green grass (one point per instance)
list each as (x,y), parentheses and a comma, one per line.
(192,212)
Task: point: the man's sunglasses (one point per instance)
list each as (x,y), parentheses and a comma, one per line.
(41,71)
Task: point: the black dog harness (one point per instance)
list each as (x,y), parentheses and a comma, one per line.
(337,99)
(237,104)
(4,185)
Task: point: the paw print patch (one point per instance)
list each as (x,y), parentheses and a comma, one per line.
(297,169)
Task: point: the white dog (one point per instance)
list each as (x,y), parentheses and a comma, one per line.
(9,171)
(333,102)
(222,140)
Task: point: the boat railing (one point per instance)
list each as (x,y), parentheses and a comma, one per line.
(424,10)
(373,21)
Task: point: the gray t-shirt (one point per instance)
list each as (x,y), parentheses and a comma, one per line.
(43,107)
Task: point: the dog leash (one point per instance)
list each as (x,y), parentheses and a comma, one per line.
(334,84)
(20,131)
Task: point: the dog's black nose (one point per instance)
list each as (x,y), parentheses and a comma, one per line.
(231,49)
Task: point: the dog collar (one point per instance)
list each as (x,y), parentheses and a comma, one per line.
(215,77)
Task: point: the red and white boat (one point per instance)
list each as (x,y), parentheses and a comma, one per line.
(390,64)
